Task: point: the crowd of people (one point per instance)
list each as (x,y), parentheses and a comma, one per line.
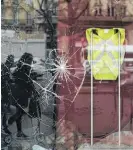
(17,90)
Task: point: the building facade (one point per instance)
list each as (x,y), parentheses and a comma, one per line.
(23,16)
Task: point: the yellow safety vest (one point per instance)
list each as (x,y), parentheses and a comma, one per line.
(106,51)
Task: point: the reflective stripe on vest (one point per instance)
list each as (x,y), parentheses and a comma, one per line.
(106,50)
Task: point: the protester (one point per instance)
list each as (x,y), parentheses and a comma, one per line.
(22,91)
(6,81)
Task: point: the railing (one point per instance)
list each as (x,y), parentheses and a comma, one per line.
(17,21)
(110,12)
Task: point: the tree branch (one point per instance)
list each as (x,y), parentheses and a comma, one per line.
(41,4)
(81,8)
(71,14)
(43,12)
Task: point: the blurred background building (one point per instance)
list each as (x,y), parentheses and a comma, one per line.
(22,17)
(22,14)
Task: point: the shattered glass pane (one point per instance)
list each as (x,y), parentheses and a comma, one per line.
(46,81)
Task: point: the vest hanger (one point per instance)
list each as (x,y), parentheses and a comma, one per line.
(94,31)
(116,31)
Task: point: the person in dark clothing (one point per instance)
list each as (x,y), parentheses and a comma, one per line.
(6,89)
(24,90)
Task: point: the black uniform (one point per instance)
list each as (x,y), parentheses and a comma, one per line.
(5,92)
(5,84)
(24,90)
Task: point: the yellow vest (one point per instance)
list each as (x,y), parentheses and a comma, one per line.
(107,52)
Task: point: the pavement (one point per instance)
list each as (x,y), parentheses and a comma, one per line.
(45,138)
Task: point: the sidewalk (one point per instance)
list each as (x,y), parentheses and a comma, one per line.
(30,128)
